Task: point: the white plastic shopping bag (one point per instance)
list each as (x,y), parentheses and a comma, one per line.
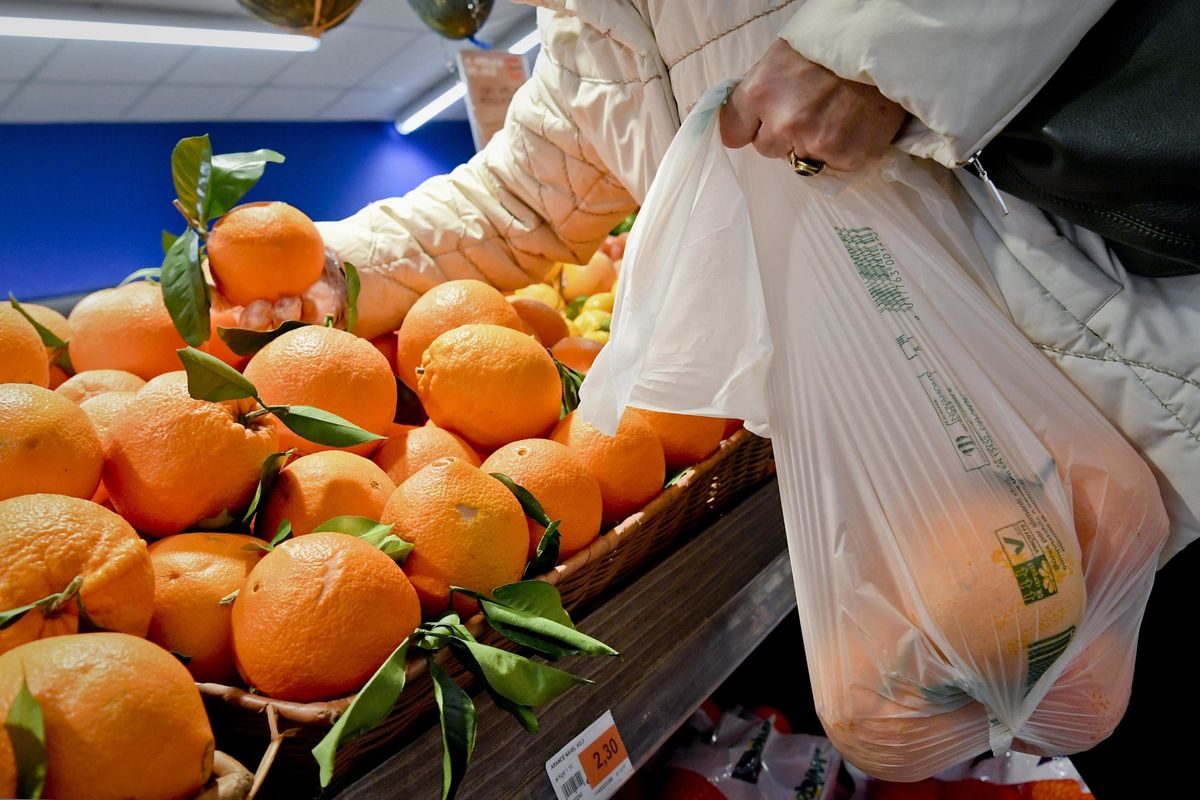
(972,543)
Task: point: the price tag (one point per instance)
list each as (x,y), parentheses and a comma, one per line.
(593,766)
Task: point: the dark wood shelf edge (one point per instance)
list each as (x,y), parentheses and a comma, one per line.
(681,628)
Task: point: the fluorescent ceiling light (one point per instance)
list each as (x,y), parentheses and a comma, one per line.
(32,27)
(434,107)
(526,43)
(458,91)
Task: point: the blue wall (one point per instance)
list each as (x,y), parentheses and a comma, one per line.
(82,206)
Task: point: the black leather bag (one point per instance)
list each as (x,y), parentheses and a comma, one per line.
(1112,141)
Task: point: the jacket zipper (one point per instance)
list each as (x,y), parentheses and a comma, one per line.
(983,176)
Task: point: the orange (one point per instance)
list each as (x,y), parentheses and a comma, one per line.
(629,467)
(332,370)
(221,315)
(386,345)
(577,352)
(316,488)
(686,440)
(172,462)
(264,251)
(47,444)
(125,328)
(566,491)
(123,717)
(102,410)
(443,308)
(732,426)
(318,616)
(543,293)
(82,385)
(491,384)
(175,378)
(411,447)
(22,354)
(469,531)
(578,280)
(192,573)
(48,540)
(545,323)
(60,327)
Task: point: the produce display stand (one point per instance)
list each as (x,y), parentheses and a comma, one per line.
(681,629)
(246,723)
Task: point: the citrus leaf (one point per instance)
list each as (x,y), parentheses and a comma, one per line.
(191,169)
(435,635)
(374,702)
(247,342)
(529,504)
(267,473)
(52,601)
(27,732)
(234,174)
(351,525)
(457,715)
(210,378)
(222,519)
(153,274)
(14,615)
(550,638)
(282,532)
(678,476)
(184,291)
(624,226)
(522,681)
(62,359)
(182,657)
(575,307)
(523,714)
(395,548)
(571,381)
(353,284)
(49,337)
(167,239)
(545,558)
(533,597)
(322,427)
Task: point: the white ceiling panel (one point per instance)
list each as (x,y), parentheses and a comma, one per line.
(7,90)
(189,102)
(419,63)
(110,62)
(214,66)
(366,104)
(19,58)
(69,102)
(346,56)
(281,103)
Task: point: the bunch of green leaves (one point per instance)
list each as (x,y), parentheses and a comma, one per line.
(59,356)
(26,730)
(529,613)
(571,380)
(206,187)
(624,226)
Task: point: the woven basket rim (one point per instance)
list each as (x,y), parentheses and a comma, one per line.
(326,712)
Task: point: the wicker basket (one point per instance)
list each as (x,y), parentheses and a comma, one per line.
(742,463)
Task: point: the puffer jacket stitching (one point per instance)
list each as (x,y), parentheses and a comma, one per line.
(607,81)
(741,24)
(1170,373)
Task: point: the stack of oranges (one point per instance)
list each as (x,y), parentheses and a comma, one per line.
(127,500)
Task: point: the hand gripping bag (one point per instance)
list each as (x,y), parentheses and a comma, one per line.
(972,543)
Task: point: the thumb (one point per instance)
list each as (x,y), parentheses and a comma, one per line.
(739,123)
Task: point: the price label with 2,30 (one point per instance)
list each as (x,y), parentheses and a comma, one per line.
(593,766)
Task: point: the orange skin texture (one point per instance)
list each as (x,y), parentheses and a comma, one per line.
(630,467)
(542,320)
(444,308)
(319,615)
(172,461)
(123,717)
(126,328)
(410,448)
(60,327)
(559,481)
(468,528)
(103,410)
(577,352)
(490,384)
(192,572)
(264,251)
(47,444)
(82,385)
(686,439)
(46,541)
(314,489)
(332,370)
(22,354)
(224,316)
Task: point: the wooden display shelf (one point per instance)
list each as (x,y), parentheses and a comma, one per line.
(681,628)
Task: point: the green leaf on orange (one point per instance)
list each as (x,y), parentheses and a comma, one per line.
(210,378)
(234,174)
(26,728)
(191,170)
(247,342)
(322,427)
(457,715)
(185,292)
(267,473)
(353,285)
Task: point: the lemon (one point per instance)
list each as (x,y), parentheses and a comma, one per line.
(599,302)
(572,328)
(543,294)
(597,336)
(593,321)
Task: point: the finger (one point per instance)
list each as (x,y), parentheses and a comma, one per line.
(776,141)
(739,123)
(285,309)
(256,316)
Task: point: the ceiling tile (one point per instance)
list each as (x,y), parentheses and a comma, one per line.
(164,103)
(218,66)
(366,104)
(20,57)
(6,90)
(421,61)
(111,62)
(285,103)
(345,57)
(386,13)
(69,102)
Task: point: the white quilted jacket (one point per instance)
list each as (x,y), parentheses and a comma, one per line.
(585,135)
